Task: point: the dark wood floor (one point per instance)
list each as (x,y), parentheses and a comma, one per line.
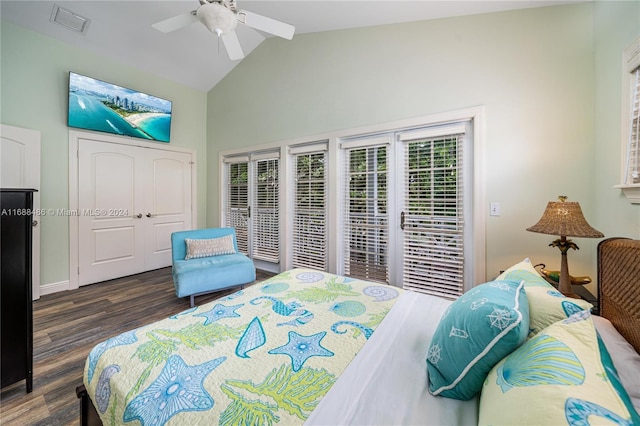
(67,325)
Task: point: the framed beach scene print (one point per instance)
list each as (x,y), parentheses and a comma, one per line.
(104,107)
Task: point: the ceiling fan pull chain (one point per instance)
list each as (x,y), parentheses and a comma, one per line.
(218,33)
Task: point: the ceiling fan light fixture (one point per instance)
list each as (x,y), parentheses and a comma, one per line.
(217,18)
(221,17)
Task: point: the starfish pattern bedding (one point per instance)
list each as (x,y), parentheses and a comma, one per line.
(263,355)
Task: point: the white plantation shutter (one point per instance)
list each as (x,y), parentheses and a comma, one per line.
(237,200)
(632,174)
(309,245)
(265,212)
(404,215)
(433,217)
(366,219)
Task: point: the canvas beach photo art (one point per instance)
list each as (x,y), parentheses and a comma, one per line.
(105,107)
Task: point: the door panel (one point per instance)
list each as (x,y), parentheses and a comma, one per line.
(114,182)
(161,236)
(168,204)
(433,215)
(113,244)
(13,163)
(237,200)
(20,168)
(169,185)
(109,200)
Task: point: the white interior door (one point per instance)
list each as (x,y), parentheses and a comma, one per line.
(20,168)
(111,201)
(131,199)
(167,206)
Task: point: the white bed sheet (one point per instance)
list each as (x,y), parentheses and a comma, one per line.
(625,358)
(386,383)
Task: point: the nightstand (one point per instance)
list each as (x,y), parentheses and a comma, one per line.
(586,295)
(578,290)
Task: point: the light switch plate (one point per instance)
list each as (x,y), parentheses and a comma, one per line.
(494,209)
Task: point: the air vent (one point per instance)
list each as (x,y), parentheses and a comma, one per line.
(69,20)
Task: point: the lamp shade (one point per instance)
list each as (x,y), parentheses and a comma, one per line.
(564,218)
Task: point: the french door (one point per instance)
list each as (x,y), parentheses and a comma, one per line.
(309,237)
(252,206)
(366,215)
(130,200)
(401,206)
(405,198)
(433,194)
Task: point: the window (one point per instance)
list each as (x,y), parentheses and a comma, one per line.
(632,172)
(309,245)
(631,123)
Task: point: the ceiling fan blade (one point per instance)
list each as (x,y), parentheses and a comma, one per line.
(232,44)
(268,25)
(175,23)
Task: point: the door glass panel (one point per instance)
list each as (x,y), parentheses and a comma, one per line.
(238,203)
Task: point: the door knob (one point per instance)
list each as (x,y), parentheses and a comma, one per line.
(149,215)
(34,223)
(139,215)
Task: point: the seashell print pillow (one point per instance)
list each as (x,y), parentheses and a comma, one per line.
(561,376)
(546,304)
(480,328)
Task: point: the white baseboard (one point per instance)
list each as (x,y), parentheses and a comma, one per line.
(54,287)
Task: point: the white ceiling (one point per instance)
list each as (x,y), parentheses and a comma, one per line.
(192,56)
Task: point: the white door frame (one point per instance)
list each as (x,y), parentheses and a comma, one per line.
(74,231)
(31,139)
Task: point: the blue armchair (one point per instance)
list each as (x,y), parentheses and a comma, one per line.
(206,272)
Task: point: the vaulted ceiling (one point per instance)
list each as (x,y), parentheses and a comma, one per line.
(192,56)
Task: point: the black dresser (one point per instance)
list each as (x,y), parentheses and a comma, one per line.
(16,345)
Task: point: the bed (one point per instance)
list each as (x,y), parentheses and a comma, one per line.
(310,347)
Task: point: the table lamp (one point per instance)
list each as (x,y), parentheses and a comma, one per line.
(565,219)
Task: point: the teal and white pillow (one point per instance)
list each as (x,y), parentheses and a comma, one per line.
(546,304)
(563,375)
(479,329)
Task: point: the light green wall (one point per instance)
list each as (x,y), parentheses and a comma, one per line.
(617,24)
(532,70)
(34,78)
(549,78)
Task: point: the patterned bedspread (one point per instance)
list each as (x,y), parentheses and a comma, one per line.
(263,355)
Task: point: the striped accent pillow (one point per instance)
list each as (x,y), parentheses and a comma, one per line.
(209,247)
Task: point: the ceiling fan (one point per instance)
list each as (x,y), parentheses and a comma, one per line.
(221,18)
